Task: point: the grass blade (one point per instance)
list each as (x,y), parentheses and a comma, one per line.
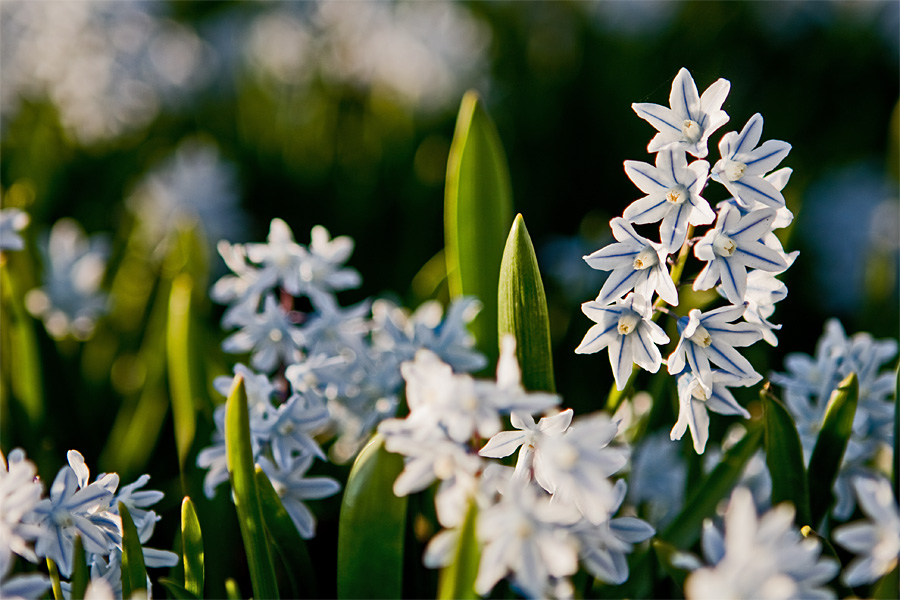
(239,454)
(477,215)
(457,580)
(828,452)
(25,378)
(784,457)
(684,529)
(134,574)
(180,364)
(522,309)
(286,538)
(192,548)
(372,527)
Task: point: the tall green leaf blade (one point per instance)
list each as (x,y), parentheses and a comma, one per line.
(457,580)
(522,309)
(134,574)
(784,457)
(831,444)
(239,454)
(477,214)
(286,538)
(192,548)
(180,362)
(684,529)
(25,378)
(372,527)
(80,574)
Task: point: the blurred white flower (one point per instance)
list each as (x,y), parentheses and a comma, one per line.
(12,221)
(876,541)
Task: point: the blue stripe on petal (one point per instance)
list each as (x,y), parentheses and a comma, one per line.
(772,200)
(774,264)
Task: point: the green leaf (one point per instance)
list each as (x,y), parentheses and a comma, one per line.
(684,529)
(673,561)
(134,574)
(522,309)
(80,574)
(372,527)
(180,364)
(239,454)
(784,457)
(477,214)
(286,538)
(54,579)
(830,446)
(17,327)
(192,548)
(886,587)
(175,590)
(232,591)
(457,580)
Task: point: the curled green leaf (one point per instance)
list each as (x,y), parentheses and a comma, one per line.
(831,443)
(134,573)
(192,548)
(477,214)
(784,457)
(239,455)
(180,363)
(80,574)
(457,580)
(523,311)
(372,527)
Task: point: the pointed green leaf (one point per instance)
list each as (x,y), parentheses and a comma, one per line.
(192,548)
(17,327)
(457,580)
(175,590)
(684,529)
(522,309)
(180,363)
(134,574)
(784,457)
(886,587)
(372,527)
(55,583)
(80,573)
(239,454)
(232,591)
(286,538)
(828,452)
(477,214)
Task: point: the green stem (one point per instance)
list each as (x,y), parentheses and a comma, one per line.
(54,579)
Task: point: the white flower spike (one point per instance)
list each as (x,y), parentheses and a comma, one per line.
(691,118)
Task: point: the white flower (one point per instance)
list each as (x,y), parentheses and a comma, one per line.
(712,337)
(733,245)
(625,327)
(604,546)
(528,437)
(12,221)
(293,487)
(528,536)
(77,508)
(760,557)
(270,335)
(694,401)
(20,492)
(875,541)
(673,196)
(692,118)
(636,264)
(32,585)
(743,166)
(280,259)
(762,292)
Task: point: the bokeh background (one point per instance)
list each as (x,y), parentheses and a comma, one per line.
(142,119)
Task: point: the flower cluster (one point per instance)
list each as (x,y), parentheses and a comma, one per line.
(75,507)
(760,556)
(535,521)
(331,370)
(741,238)
(809,382)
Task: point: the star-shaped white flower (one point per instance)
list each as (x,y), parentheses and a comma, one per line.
(528,437)
(733,245)
(636,264)
(743,166)
(712,337)
(694,402)
(691,118)
(876,542)
(673,196)
(625,327)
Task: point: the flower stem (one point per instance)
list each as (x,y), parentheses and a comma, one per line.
(54,579)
